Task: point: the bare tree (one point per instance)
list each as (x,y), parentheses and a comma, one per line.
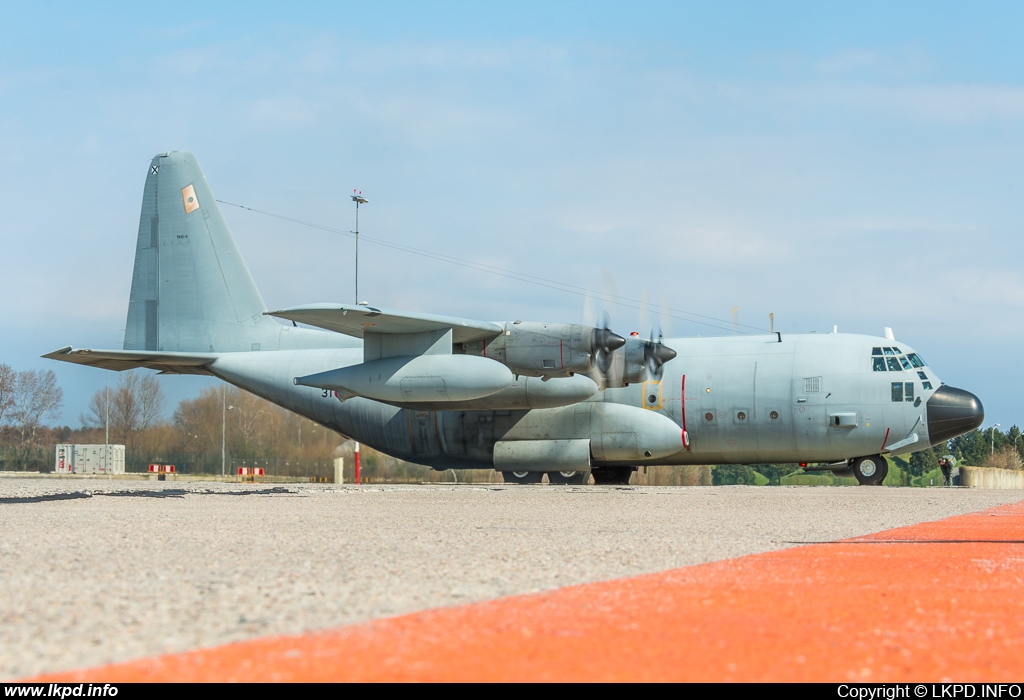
(1004,458)
(35,396)
(7,379)
(134,407)
(198,423)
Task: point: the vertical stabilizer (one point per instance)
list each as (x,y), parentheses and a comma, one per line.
(191,291)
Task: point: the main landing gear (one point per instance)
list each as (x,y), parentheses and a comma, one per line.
(559,478)
(613,476)
(569,478)
(870,471)
(606,476)
(522,477)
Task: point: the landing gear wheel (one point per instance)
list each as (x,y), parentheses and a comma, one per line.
(578,477)
(613,476)
(522,477)
(870,471)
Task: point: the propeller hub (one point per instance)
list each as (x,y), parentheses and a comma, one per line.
(663,353)
(605,340)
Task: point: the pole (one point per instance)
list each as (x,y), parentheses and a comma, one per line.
(223,432)
(357,251)
(358,198)
(106,421)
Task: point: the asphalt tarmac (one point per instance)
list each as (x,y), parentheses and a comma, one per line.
(101,571)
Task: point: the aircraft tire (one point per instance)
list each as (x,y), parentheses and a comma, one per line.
(522,477)
(870,471)
(613,476)
(577,477)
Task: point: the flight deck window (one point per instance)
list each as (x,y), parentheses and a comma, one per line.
(894,365)
(905,362)
(888,351)
(897,392)
(876,351)
(922,375)
(926,385)
(916,360)
(878,364)
(908,391)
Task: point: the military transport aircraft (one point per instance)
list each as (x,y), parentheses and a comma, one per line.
(524,398)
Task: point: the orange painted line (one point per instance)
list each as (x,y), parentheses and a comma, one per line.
(938,601)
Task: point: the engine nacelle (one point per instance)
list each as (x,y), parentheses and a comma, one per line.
(541,349)
(423,378)
(626,365)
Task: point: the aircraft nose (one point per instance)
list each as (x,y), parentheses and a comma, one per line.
(952,412)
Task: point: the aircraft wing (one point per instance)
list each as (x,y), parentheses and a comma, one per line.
(119,360)
(356,320)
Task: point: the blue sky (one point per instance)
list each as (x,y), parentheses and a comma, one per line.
(857,165)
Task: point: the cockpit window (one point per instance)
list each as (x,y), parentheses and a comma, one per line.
(888,351)
(878,364)
(894,365)
(922,375)
(897,392)
(876,351)
(908,391)
(905,362)
(916,360)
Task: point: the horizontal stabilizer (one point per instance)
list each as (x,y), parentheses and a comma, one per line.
(355,320)
(120,360)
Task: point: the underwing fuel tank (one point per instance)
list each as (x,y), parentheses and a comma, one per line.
(620,433)
(522,393)
(415,379)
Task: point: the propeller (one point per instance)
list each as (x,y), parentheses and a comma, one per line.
(656,353)
(605,342)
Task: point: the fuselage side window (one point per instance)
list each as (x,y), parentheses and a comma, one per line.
(908,391)
(894,365)
(916,360)
(905,362)
(878,364)
(897,392)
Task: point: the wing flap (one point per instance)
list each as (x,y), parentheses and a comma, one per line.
(120,360)
(355,320)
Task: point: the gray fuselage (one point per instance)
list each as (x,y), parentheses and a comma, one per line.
(748,400)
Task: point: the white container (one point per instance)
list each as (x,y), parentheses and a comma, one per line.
(89,459)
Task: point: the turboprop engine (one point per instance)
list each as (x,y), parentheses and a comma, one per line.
(548,349)
(563,349)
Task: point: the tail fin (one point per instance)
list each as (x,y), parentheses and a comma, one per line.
(191,291)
